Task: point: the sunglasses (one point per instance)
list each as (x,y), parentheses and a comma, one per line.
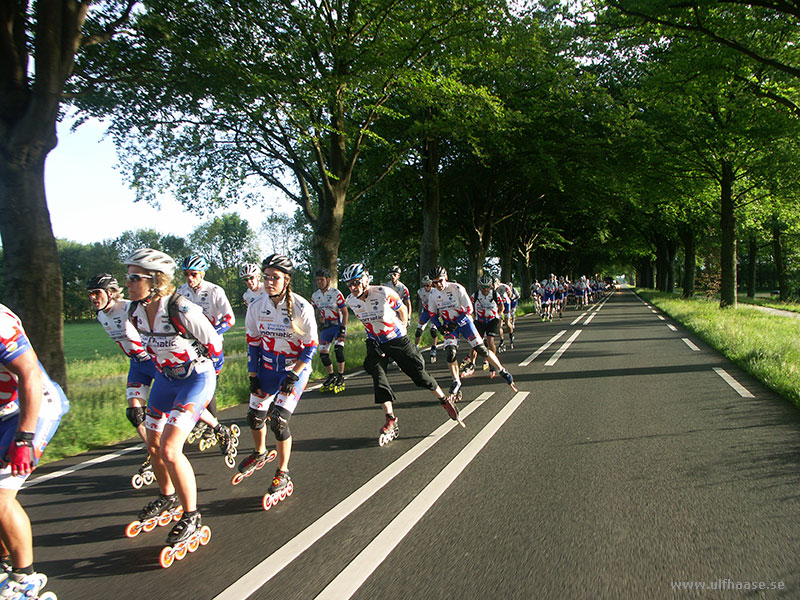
(272,277)
(134,277)
(249,277)
(435,281)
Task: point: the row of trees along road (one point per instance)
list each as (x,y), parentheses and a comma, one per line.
(550,138)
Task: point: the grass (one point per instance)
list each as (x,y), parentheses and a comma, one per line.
(770,303)
(764,345)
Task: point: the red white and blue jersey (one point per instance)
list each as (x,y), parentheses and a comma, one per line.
(378,312)
(270,334)
(400,289)
(504,292)
(487,306)
(116,324)
(450,303)
(329,306)
(424,296)
(165,346)
(13,344)
(249,295)
(212,299)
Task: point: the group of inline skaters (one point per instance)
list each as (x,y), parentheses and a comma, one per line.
(174,340)
(553,295)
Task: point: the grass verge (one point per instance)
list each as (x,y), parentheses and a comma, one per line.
(766,346)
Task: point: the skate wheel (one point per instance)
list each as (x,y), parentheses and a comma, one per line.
(382,439)
(229,462)
(289,489)
(166,557)
(133,529)
(282,495)
(177,513)
(236,442)
(149,477)
(194,543)
(164,519)
(205,535)
(48,596)
(235,431)
(181,550)
(203,445)
(237,479)
(273,454)
(150,524)
(267,502)
(137,481)
(234,452)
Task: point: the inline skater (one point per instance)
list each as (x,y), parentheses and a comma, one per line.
(217,309)
(504,291)
(489,311)
(252,278)
(514,297)
(450,302)
(385,319)
(332,315)
(182,344)
(399,287)
(31,407)
(423,294)
(281,341)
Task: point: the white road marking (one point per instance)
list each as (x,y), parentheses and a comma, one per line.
(691,345)
(740,389)
(359,570)
(533,356)
(671,326)
(95,461)
(562,349)
(661,318)
(589,318)
(583,314)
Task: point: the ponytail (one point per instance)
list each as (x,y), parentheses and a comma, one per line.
(290,308)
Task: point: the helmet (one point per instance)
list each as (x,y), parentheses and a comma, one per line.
(248,270)
(395,270)
(437,272)
(426,280)
(323,273)
(194,262)
(485,280)
(102,281)
(152,260)
(279,262)
(353,272)
(544,282)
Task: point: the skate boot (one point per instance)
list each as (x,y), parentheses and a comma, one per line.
(207,439)
(338,386)
(485,366)
(196,433)
(254,462)
(455,392)
(492,373)
(159,512)
(389,431)
(511,336)
(449,402)
(145,476)
(228,440)
(509,379)
(433,354)
(187,536)
(327,385)
(280,489)
(502,346)
(467,367)
(23,587)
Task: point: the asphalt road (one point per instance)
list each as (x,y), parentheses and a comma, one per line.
(625,467)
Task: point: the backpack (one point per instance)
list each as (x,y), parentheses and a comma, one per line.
(174,309)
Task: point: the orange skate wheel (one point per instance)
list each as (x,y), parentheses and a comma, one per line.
(267,502)
(166,557)
(133,529)
(205,535)
(237,479)
(181,550)
(150,524)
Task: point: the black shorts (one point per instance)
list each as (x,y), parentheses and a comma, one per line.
(490,329)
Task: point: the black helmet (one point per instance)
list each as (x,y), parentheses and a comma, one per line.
(102,281)
(279,262)
(323,273)
(437,272)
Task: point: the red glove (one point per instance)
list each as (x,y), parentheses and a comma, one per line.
(20,453)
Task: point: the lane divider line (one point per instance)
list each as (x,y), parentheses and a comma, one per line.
(547,344)
(95,461)
(671,326)
(562,349)
(583,314)
(361,568)
(740,389)
(259,575)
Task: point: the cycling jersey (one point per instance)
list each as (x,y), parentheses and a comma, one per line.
(250,296)
(450,303)
(400,289)
(378,312)
(329,306)
(116,324)
(487,306)
(214,303)
(270,337)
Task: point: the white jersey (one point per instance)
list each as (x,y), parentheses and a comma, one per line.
(329,306)
(450,303)
(487,306)
(424,296)
(250,296)
(165,346)
(212,299)
(400,289)
(504,292)
(121,330)
(378,312)
(269,329)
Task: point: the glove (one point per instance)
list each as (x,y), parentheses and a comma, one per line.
(342,332)
(255,385)
(20,453)
(287,385)
(449,327)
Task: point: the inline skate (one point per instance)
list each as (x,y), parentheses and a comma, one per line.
(509,379)
(389,431)
(25,588)
(253,463)
(327,385)
(281,488)
(467,367)
(433,354)
(338,385)
(197,432)
(186,536)
(449,402)
(228,440)
(144,476)
(160,512)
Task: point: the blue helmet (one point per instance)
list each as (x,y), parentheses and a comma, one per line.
(353,272)
(194,262)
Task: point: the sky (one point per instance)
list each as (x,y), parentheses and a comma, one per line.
(89,201)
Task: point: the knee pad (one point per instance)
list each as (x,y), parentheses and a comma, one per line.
(256,419)
(279,423)
(418,333)
(434,332)
(325,359)
(452,352)
(339,350)
(135,415)
(481,350)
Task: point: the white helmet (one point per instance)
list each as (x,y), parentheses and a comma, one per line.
(152,260)
(426,280)
(249,270)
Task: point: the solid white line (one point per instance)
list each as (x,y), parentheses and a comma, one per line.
(589,318)
(273,564)
(359,570)
(583,314)
(563,349)
(672,327)
(691,345)
(83,465)
(533,356)
(740,389)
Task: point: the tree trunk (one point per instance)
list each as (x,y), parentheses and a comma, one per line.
(777,251)
(662,262)
(429,245)
(751,265)
(689,261)
(327,231)
(672,251)
(727,292)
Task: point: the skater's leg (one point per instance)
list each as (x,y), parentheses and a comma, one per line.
(15,529)
(178,466)
(157,462)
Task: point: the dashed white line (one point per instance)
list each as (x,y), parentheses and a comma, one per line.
(562,349)
(662,318)
(740,389)
(671,326)
(691,344)
(550,342)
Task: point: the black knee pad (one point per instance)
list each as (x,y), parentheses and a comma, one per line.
(256,419)
(418,333)
(135,415)
(339,350)
(279,423)
(434,332)
(325,358)
(481,350)
(452,353)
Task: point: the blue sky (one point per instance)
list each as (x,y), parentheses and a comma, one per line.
(89,202)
